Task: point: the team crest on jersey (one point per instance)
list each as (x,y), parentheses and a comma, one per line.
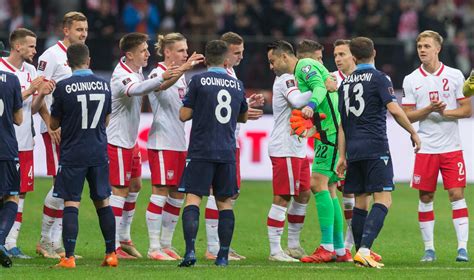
(290,83)
(181,93)
(306,69)
(42,65)
(169,174)
(126,81)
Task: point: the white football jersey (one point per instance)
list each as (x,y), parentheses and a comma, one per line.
(339,77)
(231,73)
(167,131)
(438,134)
(122,130)
(282,144)
(53,65)
(26,74)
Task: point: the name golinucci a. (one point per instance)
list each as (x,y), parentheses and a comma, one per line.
(213,81)
(87,86)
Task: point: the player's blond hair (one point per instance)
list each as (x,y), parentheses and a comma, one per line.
(164,41)
(430,34)
(19,34)
(71,17)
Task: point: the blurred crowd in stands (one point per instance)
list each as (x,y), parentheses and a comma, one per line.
(393,24)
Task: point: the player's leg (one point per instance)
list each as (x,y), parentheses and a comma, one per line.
(348,201)
(98,179)
(212,219)
(297,213)
(338,235)
(129,206)
(7,218)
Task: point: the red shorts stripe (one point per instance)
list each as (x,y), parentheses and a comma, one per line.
(460,213)
(26,171)
(348,214)
(166,167)
(295,219)
(124,164)
(19,217)
(52,212)
(155,209)
(118,212)
(171,209)
(274,223)
(52,155)
(212,214)
(129,206)
(426,216)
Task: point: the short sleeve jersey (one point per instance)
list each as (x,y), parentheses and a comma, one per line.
(339,77)
(52,64)
(25,75)
(363,97)
(167,131)
(10,102)
(437,133)
(125,118)
(232,73)
(217,100)
(282,143)
(310,76)
(82,103)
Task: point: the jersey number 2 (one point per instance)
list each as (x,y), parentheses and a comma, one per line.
(83,100)
(359,90)
(223,104)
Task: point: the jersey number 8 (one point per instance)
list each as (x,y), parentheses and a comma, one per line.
(223,104)
(83,100)
(359,90)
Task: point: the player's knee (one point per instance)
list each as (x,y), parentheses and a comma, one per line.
(135,184)
(175,194)
(160,190)
(303,197)
(426,197)
(75,204)
(120,191)
(101,203)
(456,194)
(281,200)
(13,198)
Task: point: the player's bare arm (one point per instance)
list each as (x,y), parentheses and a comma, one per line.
(463,111)
(34,86)
(107,120)
(45,88)
(403,120)
(185,114)
(54,123)
(243,117)
(18,116)
(415,115)
(254,114)
(54,134)
(256,100)
(341,146)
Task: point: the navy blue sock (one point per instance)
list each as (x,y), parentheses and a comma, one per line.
(7,218)
(358,221)
(70,229)
(225,231)
(107,226)
(190,226)
(373,225)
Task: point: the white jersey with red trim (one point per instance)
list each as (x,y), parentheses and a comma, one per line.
(26,74)
(437,133)
(122,130)
(339,77)
(167,131)
(231,73)
(52,64)
(282,144)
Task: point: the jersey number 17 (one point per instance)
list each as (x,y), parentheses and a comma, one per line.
(85,112)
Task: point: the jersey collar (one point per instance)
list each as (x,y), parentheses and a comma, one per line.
(10,67)
(364,66)
(62,46)
(436,73)
(82,72)
(221,70)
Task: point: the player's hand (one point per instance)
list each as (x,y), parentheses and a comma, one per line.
(254,114)
(171,72)
(437,106)
(193,60)
(307,112)
(47,87)
(341,167)
(55,136)
(415,142)
(256,100)
(35,84)
(468,88)
(330,83)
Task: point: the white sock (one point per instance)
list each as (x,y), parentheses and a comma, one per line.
(153,220)
(275,225)
(212,221)
(51,230)
(427,222)
(117,202)
(12,237)
(365,252)
(127,216)
(296,215)
(461,222)
(348,203)
(170,219)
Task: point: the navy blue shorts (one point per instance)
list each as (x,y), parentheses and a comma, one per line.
(9,177)
(70,182)
(369,176)
(199,176)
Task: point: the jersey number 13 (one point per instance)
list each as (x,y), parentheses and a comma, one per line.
(359,91)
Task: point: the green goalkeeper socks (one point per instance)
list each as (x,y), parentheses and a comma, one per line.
(338,225)
(325,215)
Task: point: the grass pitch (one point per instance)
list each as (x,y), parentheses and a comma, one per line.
(399,243)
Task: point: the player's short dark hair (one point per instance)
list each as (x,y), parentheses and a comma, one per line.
(362,48)
(280,46)
(71,17)
(308,46)
(215,52)
(19,34)
(77,55)
(340,42)
(131,41)
(232,38)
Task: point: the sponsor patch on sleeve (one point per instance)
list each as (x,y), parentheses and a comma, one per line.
(126,81)
(305,69)
(290,83)
(42,65)
(311,74)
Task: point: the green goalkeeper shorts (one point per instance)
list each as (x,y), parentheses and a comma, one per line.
(325,158)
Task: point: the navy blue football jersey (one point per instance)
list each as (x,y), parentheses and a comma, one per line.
(10,102)
(363,97)
(82,103)
(217,100)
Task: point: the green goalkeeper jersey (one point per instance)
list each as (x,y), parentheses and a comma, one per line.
(310,76)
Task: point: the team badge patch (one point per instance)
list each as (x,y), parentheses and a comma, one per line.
(181,93)
(126,81)
(306,69)
(170,174)
(290,83)
(42,65)
(416,179)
